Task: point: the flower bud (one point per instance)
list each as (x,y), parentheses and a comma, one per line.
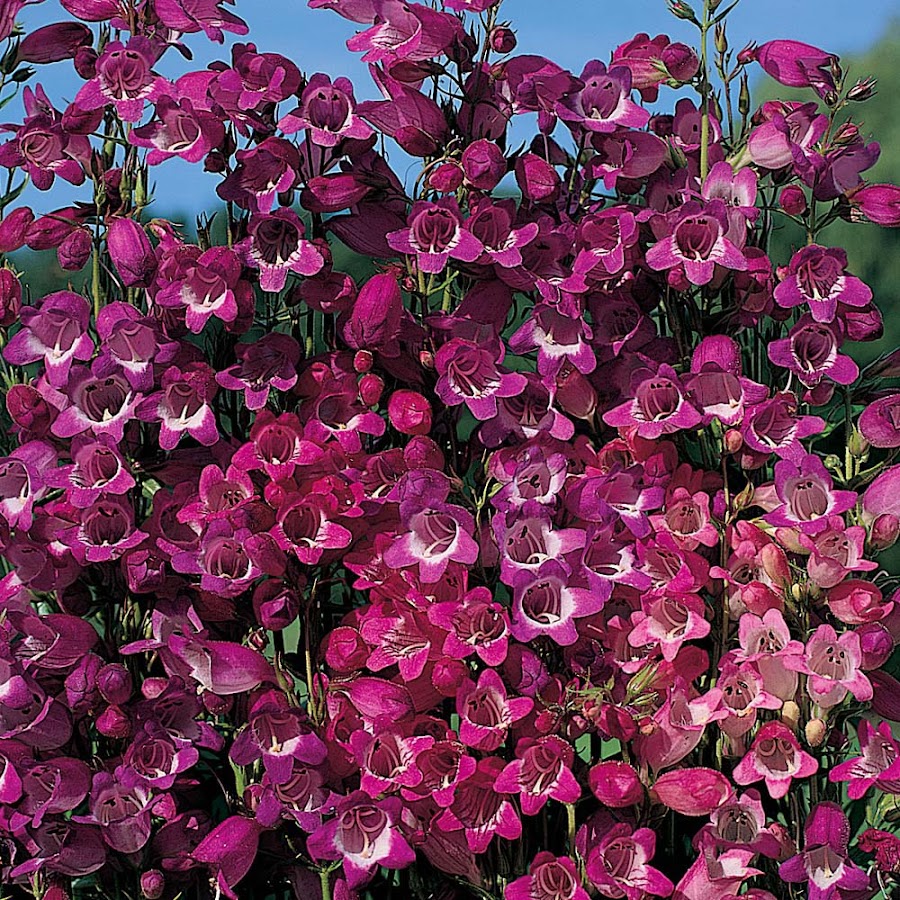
(681,61)
(816,731)
(362,361)
(879,203)
(115,684)
(790,714)
(10,297)
(875,644)
(447,676)
(131,253)
(85,62)
(75,250)
(216,704)
(484,165)
(114,723)
(538,181)
(371,387)
(885,530)
(275,605)
(445,178)
(744,96)
(864,89)
(733,440)
(503,39)
(345,650)
(681,10)
(858,445)
(153,884)
(13,229)
(847,134)
(793,200)
(721,41)
(615,784)
(409,412)
(426,359)
(53,43)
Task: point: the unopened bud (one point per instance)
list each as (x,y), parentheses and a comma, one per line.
(834,463)
(114,723)
(153,884)
(848,133)
(790,714)
(744,96)
(371,387)
(864,89)
(733,440)
(681,10)
(858,445)
(885,531)
(831,98)
(426,358)
(815,730)
(503,40)
(721,39)
(793,200)
(362,361)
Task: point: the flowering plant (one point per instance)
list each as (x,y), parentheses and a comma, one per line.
(533,558)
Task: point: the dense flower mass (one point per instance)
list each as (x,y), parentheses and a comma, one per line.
(505,530)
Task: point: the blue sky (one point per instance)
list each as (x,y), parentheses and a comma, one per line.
(568,31)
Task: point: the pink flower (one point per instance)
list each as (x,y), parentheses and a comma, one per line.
(541,771)
(878,766)
(435,235)
(486,713)
(660,405)
(549,878)
(618,865)
(776,758)
(796,64)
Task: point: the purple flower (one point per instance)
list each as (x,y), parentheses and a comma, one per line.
(475,624)
(492,224)
(209,287)
(660,405)
(156,757)
(363,834)
(404,31)
(327,112)
(435,235)
(120,805)
(23,482)
(878,766)
(305,527)
(229,851)
(880,422)
(55,331)
(776,758)
(276,246)
(277,446)
(468,373)
(278,733)
(824,862)
(99,404)
(549,878)
(807,496)
(655,625)
(832,665)
(486,713)
(191,16)
(124,79)
(796,64)
(541,771)
(604,102)
(810,351)
(787,135)
(697,243)
(270,362)
(105,533)
(773,426)
(97,468)
(618,865)
(183,125)
(818,277)
(183,407)
(261,174)
(559,334)
(63,846)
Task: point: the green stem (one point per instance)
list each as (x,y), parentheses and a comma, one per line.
(325,878)
(704,91)
(96,291)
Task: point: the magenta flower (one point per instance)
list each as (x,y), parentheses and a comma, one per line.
(261,174)
(410,32)
(492,223)
(470,374)
(183,407)
(388,759)
(305,527)
(435,235)
(773,426)
(277,446)
(604,102)
(740,823)
(276,247)
(818,277)
(796,64)
(697,243)
(743,693)
(486,713)
(810,351)
(23,481)
(278,733)
(807,496)
(824,863)
(363,834)
(475,624)
(97,468)
(124,79)
(541,771)
(832,665)
(560,335)
(270,362)
(668,621)
(836,552)
(618,864)
(878,766)
(327,112)
(545,603)
(55,331)
(228,850)
(481,811)
(787,135)
(191,16)
(155,757)
(660,405)
(775,757)
(549,878)
(879,203)
(880,422)
(102,405)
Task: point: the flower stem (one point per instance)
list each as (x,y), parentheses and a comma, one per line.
(704,91)
(325,878)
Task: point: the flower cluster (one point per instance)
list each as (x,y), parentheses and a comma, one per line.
(534,557)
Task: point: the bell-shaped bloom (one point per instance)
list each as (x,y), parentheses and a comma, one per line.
(277,446)
(825,863)
(879,423)
(692,791)
(120,805)
(697,243)
(835,553)
(560,335)
(156,757)
(743,693)
(878,766)
(817,276)
(549,878)
(435,235)
(832,665)
(469,373)
(388,758)
(879,203)
(278,733)
(774,426)
(486,713)
(796,64)
(56,332)
(775,756)
(261,173)
(660,405)
(124,79)
(481,811)
(807,496)
(270,362)
(106,531)
(23,481)
(541,771)
(102,405)
(363,834)
(810,351)
(183,406)
(327,111)
(766,641)
(276,246)
(475,624)
(716,385)
(192,16)
(668,621)
(618,866)
(229,851)
(604,102)
(740,823)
